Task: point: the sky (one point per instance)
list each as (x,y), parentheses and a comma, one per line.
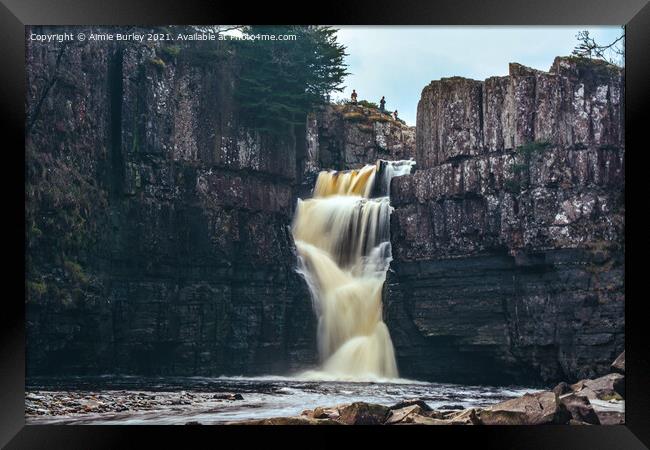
(398,62)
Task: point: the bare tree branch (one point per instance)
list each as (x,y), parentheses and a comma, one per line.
(613,52)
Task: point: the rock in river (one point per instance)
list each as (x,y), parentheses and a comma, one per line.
(361,413)
(530,409)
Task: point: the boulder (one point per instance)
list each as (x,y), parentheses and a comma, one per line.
(404,415)
(441,414)
(609,412)
(562,388)
(618,366)
(466,417)
(325,413)
(530,409)
(611,417)
(412,402)
(423,420)
(601,388)
(619,386)
(362,413)
(580,408)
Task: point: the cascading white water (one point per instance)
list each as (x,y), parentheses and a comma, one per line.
(343,241)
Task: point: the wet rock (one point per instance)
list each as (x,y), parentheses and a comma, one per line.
(319,413)
(619,386)
(618,365)
(322,413)
(611,417)
(531,409)
(466,417)
(288,421)
(424,420)
(602,388)
(452,407)
(228,396)
(361,413)
(421,403)
(404,415)
(562,388)
(436,414)
(580,408)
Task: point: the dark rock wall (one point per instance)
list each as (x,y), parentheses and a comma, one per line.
(158,237)
(508,239)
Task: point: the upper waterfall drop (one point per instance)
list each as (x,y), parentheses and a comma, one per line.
(342,236)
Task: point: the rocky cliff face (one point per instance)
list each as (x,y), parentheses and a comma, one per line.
(158,237)
(344,137)
(508,239)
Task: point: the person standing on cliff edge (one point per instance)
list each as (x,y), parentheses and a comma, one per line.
(353,96)
(395,114)
(382,104)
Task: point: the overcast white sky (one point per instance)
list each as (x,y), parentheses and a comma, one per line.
(398,62)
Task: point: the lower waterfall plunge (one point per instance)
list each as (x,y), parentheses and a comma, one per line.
(342,237)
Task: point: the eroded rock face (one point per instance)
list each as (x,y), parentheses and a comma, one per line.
(345,137)
(159,238)
(508,239)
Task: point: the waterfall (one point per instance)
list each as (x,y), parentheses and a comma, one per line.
(342,236)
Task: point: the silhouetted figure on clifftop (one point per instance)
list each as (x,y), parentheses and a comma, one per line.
(354,97)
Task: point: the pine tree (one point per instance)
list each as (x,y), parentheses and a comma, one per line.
(280,81)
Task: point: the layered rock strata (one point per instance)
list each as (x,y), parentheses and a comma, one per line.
(158,226)
(508,240)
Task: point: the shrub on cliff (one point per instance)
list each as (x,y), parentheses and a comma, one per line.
(368,104)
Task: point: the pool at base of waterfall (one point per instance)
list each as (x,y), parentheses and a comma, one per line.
(133,400)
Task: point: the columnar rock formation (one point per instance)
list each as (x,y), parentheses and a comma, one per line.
(508,239)
(158,228)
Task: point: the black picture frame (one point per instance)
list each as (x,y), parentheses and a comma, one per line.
(15,14)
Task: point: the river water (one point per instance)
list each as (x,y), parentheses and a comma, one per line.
(114,400)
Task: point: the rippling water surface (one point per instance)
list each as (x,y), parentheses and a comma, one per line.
(170,400)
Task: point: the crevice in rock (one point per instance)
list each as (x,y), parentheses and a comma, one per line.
(32,120)
(115,89)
